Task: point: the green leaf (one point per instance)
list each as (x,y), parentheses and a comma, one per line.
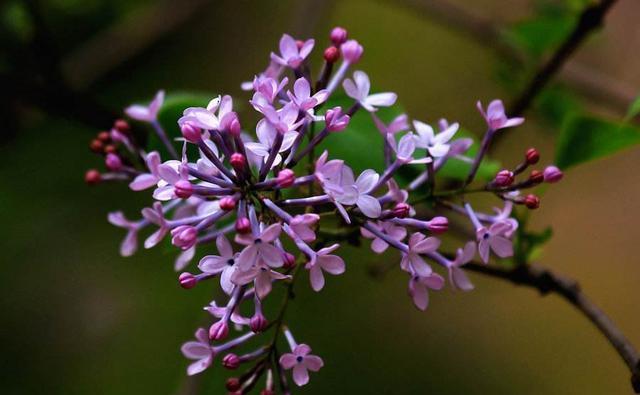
(459,169)
(538,35)
(634,109)
(585,138)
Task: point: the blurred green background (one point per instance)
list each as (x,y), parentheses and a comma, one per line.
(79,319)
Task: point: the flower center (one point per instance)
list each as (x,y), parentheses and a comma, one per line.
(485,236)
(299,359)
(230,262)
(258,241)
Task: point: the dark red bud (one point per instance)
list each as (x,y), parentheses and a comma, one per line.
(243,225)
(532,202)
(238,161)
(331,54)
(96,146)
(289,260)
(227,203)
(187,280)
(231,361)
(401,210)
(122,126)
(104,137)
(536,176)
(532,156)
(233,384)
(92,177)
(110,149)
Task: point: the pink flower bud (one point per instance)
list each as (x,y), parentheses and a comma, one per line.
(536,176)
(113,162)
(285,178)
(191,133)
(438,225)
(227,203)
(289,260)
(243,226)
(258,323)
(231,361)
(218,331)
(552,174)
(401,210)
(183,189)
(331,54)
(336,120)
(184,236)
(351,51)
(234,127)
(187,280)
(233,384)
(504,178)
(338,35)
(267,392)
(238,161)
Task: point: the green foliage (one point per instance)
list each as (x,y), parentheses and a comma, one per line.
(586,138)
(634,109)
(536,36)
(557,103)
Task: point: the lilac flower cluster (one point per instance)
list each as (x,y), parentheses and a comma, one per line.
(271,216)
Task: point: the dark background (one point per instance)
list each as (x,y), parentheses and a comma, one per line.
(79,319)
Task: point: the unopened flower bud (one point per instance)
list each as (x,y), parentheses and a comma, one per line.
(231,361)
(267,392)
(289,260)
(122,126)
(536,176)
(92,177)
(504,178)
(338,35)
(243,225)
(110,149)
(234,127)
(351,51)
(184,236)
(183,189)
(552,174)
(96,146)
(218,331)
(285,178)
(336,120)
(438,225)
(331,54)
(227,203)
(187,280)
(258,323)
(190,132)
(232,384)
(104,137)
(238,161)
(532,201)
(532,156)
(113,162)
(401,210)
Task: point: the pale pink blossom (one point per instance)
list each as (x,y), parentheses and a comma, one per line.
(290,54)
(358,89)
(412,260)
(200,351)
(146,113)
(301,361)
(419,288)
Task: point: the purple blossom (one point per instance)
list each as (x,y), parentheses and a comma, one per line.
(266,133)
(301,361)
(200,351)
(419,288)
(412,260)
(395,232)
(494,238)
(290,54)
(302,226)
(436,144)
(147,180)
(336,120)
(223,264)
(496,117)
(323,261)
(155,215)
(358,89)
(146,113)
(457,277)
(129,245)
(302,98)
(258,247)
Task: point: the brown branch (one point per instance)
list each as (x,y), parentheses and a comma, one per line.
(586,80)
(590,20)
(547,282)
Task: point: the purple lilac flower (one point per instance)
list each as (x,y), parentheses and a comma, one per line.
(496,117)
(412,260)
(146,113)
(290,54)
(323,261)
(301,361)
(358,89)
(419,288)
(436,144)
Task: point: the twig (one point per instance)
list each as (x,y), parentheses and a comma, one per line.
(547,282)
(590,19)
(590,82)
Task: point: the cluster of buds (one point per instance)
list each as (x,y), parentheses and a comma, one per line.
(251,195)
